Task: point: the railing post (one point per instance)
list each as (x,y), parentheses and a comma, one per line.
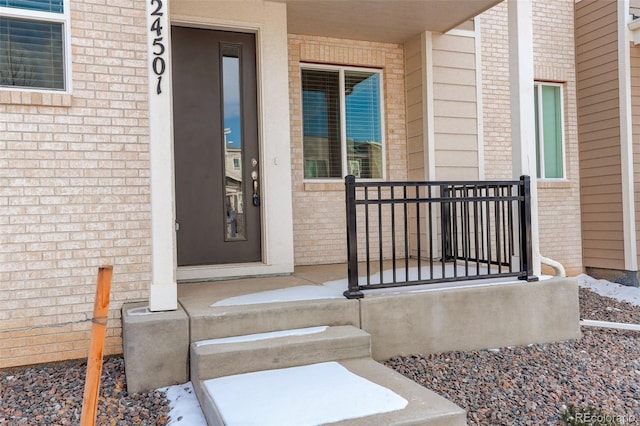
(445,225)
(353,289)
(526,249)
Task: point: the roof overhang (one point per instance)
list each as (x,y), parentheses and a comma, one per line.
(392,21)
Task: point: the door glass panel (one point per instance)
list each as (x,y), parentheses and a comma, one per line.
(234,194)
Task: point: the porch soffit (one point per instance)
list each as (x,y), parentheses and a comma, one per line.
(391,21)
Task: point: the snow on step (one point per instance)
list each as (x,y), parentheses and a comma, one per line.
(301,395)
(262,336)
(281,349)
(289,294)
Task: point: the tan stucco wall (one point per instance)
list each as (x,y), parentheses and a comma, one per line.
(74,191)
(319,208)
(553,41)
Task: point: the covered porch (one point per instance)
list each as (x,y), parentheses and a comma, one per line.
(273,22)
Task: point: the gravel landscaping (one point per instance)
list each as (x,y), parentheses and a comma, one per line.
(52,395)
(520,385)
(530,385)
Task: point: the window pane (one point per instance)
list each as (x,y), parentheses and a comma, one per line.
(38,5)
(234,194)
(364,139)
(31,54)
(321,124)
(552,132)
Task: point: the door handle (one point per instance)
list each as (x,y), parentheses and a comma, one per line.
(256,196)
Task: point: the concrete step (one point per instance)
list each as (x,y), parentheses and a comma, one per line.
(242,354)
(211,322)
(234,400)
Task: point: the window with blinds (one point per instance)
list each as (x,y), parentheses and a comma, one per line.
(32,44)
(55,6)
(342,123)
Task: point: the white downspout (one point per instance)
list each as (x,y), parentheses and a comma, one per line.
(557,266)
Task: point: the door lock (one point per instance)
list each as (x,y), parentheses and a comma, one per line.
(256,196)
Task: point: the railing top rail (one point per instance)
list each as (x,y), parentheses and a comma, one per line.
(457,199)
(485,183)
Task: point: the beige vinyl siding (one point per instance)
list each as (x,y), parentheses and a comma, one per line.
(454,107)
(635,111)
(414,86)
(599,132)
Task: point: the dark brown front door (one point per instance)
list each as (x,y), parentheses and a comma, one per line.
(216,147)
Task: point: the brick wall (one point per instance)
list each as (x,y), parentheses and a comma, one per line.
(559,202)
(318,208)
(74,191)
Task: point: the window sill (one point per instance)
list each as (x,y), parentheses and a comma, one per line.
(310,186)
(17,97)
(554,183)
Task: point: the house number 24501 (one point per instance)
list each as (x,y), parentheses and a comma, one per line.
(158,64)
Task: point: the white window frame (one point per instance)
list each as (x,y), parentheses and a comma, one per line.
(540,154)
(343,128)
(63,18)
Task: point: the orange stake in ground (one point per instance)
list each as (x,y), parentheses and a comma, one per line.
(94,361)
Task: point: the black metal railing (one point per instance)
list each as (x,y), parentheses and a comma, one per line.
(411,233)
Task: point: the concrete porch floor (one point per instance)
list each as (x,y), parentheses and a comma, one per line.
(214,291)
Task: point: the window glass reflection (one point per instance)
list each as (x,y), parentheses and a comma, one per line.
(234,190)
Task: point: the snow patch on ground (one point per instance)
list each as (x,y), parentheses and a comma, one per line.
(300,396)
(184,408)
(612,290)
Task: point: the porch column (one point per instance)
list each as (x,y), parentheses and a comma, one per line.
(522,108)
(163,292)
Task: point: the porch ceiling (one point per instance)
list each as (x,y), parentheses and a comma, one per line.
(392,21)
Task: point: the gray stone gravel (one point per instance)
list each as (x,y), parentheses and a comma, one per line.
(510,386)
(530,385)
(51,394)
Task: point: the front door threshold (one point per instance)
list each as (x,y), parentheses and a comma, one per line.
(230,271)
